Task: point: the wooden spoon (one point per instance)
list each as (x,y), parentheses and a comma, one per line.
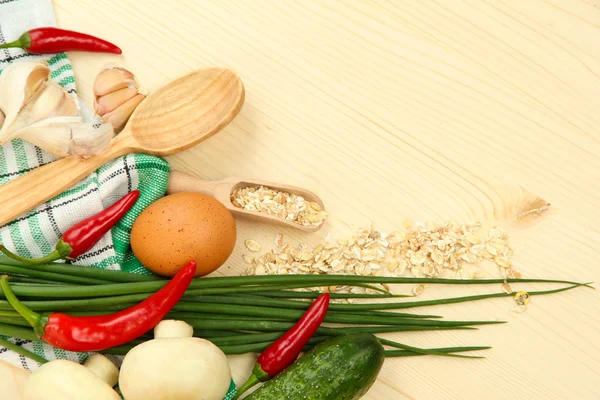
(174,118)
(221,190)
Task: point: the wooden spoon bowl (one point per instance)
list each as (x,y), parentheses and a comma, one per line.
(174,118)
(186,112)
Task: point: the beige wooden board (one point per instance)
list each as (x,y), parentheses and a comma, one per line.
(422,110)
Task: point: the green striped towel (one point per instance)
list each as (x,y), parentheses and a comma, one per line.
(35,233)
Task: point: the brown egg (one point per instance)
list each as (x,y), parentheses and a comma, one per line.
(183,227)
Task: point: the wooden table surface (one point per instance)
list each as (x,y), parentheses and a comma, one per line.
(420,110)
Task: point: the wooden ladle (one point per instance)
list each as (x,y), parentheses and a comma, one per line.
(174,118)
(221,190)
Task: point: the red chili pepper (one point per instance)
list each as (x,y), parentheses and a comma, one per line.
(53,40)
(283,352)
(82,236)
(99,332)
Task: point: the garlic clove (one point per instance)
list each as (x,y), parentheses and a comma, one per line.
(68,106)
(44,104)
(41,112)
(88,140)
(64,136)
(39,74)
(110,101)
(111,79)
(50,100)
(19,82)
(52,135)
(120,115)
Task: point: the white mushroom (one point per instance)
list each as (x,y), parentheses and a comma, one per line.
(175,365)
(67,380)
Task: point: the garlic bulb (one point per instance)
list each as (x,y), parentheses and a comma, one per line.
(116,96)
(38,110)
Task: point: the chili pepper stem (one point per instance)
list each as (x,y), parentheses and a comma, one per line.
(22,42)
(34,319)
(61,251)
(252,380)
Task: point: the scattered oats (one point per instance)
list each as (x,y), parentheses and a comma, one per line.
(374,266)
(247,259)
(496,233)
(425,250)
(417,290)
(502,262)
(490,250)
(487,254)
(288,206)
(506,287)
(469,257)
(522,298)
(357,290)
(497,244)
(477,249)
(279,240)
(252,245)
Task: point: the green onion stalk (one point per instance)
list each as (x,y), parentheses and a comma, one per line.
(246,313)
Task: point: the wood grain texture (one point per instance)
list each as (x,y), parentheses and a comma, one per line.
(424,110)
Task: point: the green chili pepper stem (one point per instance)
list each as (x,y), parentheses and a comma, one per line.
(30,316)
(22,42)
(252,380)
(62,251)
(20,350)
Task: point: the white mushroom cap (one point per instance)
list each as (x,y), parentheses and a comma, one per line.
(67,380)
(171,367)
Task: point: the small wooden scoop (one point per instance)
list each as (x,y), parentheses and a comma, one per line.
(221,190)
(174,118)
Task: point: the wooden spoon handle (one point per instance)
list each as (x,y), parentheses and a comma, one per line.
(43,183)
(220,190)
(182,182)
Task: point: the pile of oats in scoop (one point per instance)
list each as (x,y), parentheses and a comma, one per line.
(285,205)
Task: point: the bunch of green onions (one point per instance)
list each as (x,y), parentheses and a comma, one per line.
(239,314)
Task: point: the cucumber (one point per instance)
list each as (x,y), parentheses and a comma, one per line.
(342,368)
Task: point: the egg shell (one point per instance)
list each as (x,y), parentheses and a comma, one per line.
(181,227)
